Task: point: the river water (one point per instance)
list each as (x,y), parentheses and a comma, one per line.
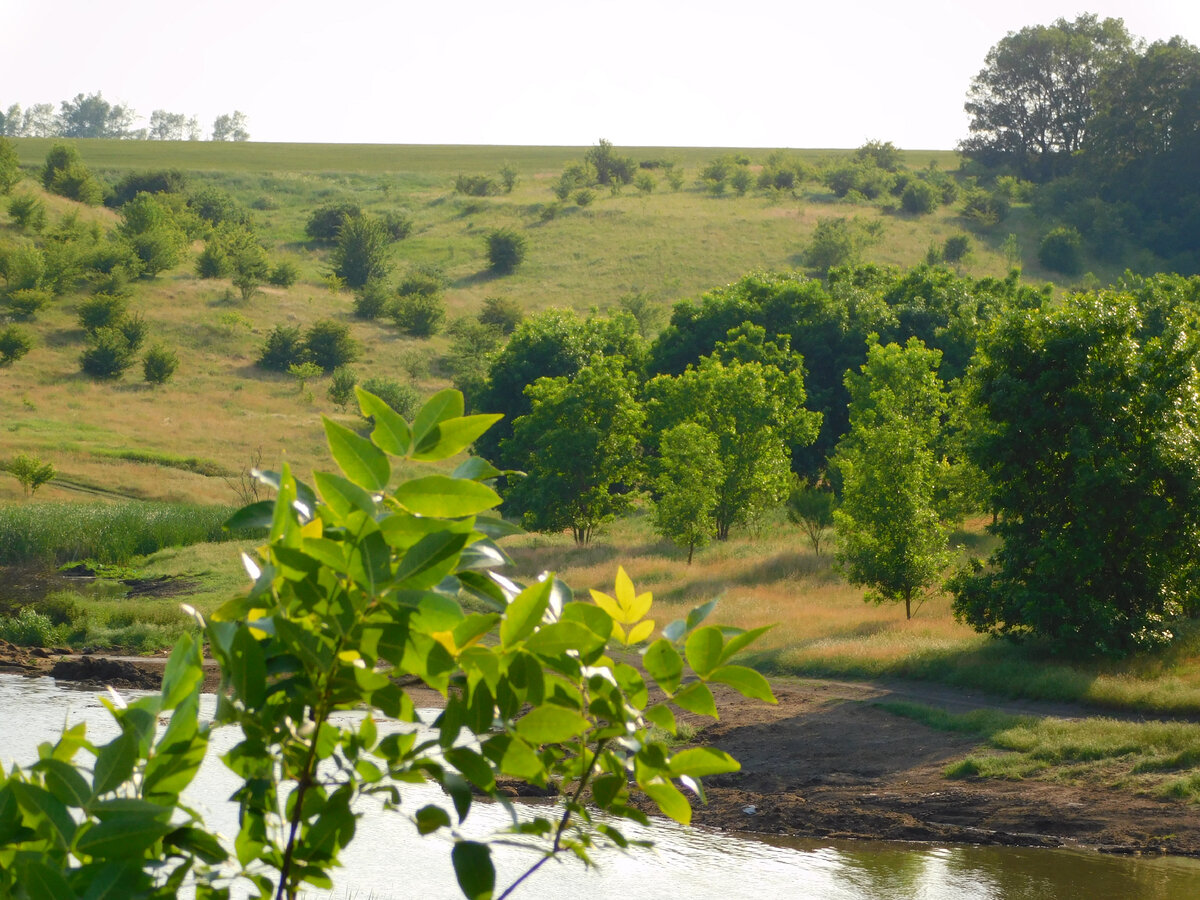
(387,861)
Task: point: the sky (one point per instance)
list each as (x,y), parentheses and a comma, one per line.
(780,73)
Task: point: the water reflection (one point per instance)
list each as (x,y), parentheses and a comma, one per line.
(387,861)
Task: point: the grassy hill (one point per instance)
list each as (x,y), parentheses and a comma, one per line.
(176,442)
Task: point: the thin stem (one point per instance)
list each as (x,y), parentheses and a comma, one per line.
(563,822)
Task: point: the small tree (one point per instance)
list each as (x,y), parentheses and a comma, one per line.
(505,250)
(502,313)
(341,387)
(834,242)
(919,197)
(283,347)
(10,165)
(1061,250)
(108,354)
(284,275)
(325,221)
(329,345)
(371,299)
(303,373)
(402,398)
(689,472)
(28,212)
(956,248)
(159,364)
(419,315)
(812,509)
(30,471)
(14,343)
(360,254)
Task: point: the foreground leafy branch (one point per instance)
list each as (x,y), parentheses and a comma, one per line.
(361,587)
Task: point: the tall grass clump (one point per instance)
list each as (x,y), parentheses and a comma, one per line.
(54,533)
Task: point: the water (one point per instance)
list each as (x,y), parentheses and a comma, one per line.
(387,861)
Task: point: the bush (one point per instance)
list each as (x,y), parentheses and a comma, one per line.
(584,197)
(371,300)
(984,208)
(645,183)
(26,303)
(740,180)
(341,387)
(325,222)
(834,243)
(505,250)
(919,197)
(159,364)
(609,166)
(217,207)
(508,178)
(284,275)
(399,225)
(329,345)
(956,248)
(101,311)
(28,212)
(65,174)
(475,186)
(213,261)
(284,347)
(29,628)
(423,279)
(1061,250)
(419,315)
(14,343)
(501,313)
(403,398)
(108,354)
(163,181)
(135,329)
(10,166)
(361,252)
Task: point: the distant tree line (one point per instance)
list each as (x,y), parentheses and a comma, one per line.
(1105,126)
(91,116)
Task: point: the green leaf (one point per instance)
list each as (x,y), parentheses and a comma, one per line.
(443,405)
(442,497)
(248,674)
(473,767)
(452,436)
(697,698)
(524,613)
(676,630)
(606,787)
(703,649)
(430,818)
(183,672)
(39,804)
(114,764)
(557,639)
(430,560)
(669,799)
(360,460)
(251,517)
(664,664)
(496,528)
(476,469)
(474,870)
(551,725)
(739,642)
(745,681)
(391,433)
(198,841)
(122,837)
(343,496)
(700,762)
(660,716)
(515,758)
(64,782)
(41,881)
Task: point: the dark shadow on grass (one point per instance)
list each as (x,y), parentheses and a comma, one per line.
(784,567)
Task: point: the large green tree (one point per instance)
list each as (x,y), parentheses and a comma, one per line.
(1033,101)
(581,443)
(1090,436)
(890,537)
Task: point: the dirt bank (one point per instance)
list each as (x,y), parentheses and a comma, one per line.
(826,762)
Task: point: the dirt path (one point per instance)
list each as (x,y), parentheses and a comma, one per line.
(827,762)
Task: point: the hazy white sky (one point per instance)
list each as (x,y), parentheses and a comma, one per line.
(758,73)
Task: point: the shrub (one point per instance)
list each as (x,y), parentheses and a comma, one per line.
(329,345)
(508,178)
(217,207)
(584,197)
(919,197)
(101,311)
(984,208)
(108,354)
(29,628)
(609,166)
(675,178)
(341,387)
(65,174)
(134,329)
(28,212)
(501,313)
(284,275)
(25,304)
(10,166)
(403,398)
(284,347)
(1061,250)
(371,299)
(740,180)
(159,364)
(505,249)
(475,186)
(956,248)
(399,225)
(23,266)
(14,343)
(645,183)
(361,252)
(163,181)
(882,154)
(325,222)
(419,315)
(213,261)
(833,243)
(422,279)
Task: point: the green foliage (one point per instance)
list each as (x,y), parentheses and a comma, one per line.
(102,311)
(162,181)
(609,166)
(30,471)
(26,303)
(919,197)
(361,251)
(284,274)
(645,183)
(472,346)
(23,266)
(213,261)
(985,209)
(502,313)
(534,679)
(217,207)
(689,471)
(10,166)
(881,154)
(475,185)
(422,279)
(1061,250)
(859,178)
(581,446)
(150,229)
(741,180)
(29,628)
(505,250)
(582,197)
(1088,437)
(890,538)
(159,364)
(326,221)
(956,248)
(341,387)
(402,399)
(328,344)
(14,343)
(371,300)
(419,314)
(283,347)
(399,225)
(28,211)
(812,509)
(64,173)
(108,353)
(834,242)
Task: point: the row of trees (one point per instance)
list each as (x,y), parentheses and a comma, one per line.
(91,116)
(1106,123)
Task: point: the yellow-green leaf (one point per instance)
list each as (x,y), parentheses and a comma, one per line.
(440,496)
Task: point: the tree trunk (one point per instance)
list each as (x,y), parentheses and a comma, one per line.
(908,606)
(691,549)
